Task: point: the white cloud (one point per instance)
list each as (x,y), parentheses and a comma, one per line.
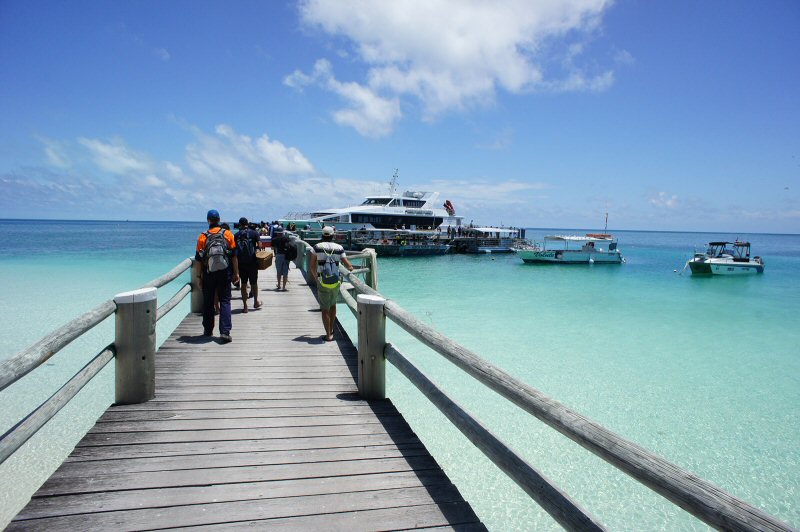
(664,200)
(55,152)
(367,112)
(231,155)
(162,54)
(451,54)
(115,156)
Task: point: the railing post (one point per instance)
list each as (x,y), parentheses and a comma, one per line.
(197,292)
(135,343)
(372,276)
(371,343)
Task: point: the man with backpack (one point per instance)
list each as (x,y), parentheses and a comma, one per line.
(325,263)
(215,259)
(285,252)
(247,242)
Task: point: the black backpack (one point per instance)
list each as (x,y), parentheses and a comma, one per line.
(290,250)
(246,249)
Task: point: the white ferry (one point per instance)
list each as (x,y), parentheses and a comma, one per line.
(574,249)
(726,258)
(411,210)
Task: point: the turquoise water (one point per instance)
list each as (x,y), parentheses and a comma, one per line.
(703,371)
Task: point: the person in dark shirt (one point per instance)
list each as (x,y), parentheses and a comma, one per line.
(280,242)
(247,242)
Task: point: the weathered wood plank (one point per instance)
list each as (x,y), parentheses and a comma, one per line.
(237,423)
(86,503)
(228,413)
(256,458)
(459,517)
(229,475)
(251,510)
(178,436)
(124,452)
(266,404)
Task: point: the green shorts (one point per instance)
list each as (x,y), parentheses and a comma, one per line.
(327,296)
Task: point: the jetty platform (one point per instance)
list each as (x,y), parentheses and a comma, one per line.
(267,432)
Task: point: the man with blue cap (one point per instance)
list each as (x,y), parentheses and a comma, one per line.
(215,261)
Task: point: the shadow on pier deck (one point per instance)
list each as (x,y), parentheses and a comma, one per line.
(265,432)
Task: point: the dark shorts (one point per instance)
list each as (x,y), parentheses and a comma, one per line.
(248,271)
(281,264)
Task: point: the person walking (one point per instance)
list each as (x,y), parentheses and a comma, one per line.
(247,242)
(280,246)
(325,265)
(217,266)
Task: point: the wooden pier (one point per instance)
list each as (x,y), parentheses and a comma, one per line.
(281,430)
(264,432)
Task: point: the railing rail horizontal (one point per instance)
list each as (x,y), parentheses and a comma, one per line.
(174,301)
(16,367)
(559,505)
(17,435)
(171,275)
(29,359)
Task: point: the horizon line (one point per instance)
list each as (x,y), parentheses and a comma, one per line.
(128,220)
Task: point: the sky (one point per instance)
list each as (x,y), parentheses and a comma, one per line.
(673,116)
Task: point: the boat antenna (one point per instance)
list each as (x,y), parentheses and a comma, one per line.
(605,229)
(393,183)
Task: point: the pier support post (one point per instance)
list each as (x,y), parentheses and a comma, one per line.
(197,292)
(135,343)
(371,343)
(372,276)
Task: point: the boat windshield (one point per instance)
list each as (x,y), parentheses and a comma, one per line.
(376,201)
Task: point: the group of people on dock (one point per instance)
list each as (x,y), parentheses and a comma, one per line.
(223,259)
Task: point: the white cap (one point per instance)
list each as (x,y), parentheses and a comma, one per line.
(327,230)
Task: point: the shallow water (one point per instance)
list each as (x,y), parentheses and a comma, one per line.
(703,371)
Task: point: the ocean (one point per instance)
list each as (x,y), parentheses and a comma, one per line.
(702,371)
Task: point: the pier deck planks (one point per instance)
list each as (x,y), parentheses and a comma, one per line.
(267,432)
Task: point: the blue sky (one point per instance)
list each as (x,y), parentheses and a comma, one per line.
(678,115)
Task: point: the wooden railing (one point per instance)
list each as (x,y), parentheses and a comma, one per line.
(704,500)
(133,349)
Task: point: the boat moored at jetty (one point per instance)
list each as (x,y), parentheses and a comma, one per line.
(411,210)
(726,258)
(574,249)
(390,243)
(489,240)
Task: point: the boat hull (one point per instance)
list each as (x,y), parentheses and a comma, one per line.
(569,257)
(711,267)
(399,250)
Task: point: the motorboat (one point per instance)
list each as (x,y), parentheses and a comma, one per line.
(488,240)
(390,243)
(573,249)
(726,258)
(411,210)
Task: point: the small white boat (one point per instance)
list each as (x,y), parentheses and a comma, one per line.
(726,258)
(574,249)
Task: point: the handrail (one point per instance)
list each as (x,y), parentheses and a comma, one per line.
(14,368)
(171,275)
(699,497)
(29,359)
(173,302)
(17,435)
(560,506)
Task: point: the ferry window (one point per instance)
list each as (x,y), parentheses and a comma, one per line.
(413,203)
(394,203)
(376,201)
